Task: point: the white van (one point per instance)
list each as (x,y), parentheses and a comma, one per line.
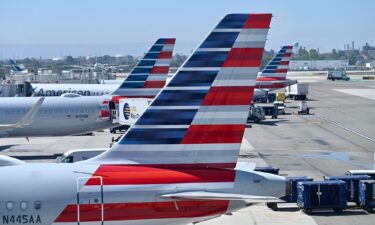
(77,155)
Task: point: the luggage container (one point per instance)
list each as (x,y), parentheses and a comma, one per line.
(367,195)
(292,182)
(352,185)
(267,169)
(312,195)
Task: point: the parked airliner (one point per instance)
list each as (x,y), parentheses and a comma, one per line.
(177,164)
(75,114)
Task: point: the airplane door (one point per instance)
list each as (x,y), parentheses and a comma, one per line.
(90,201)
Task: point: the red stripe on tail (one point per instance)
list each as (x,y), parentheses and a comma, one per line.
(138,175)
(209,134)
(154,84)
(244,57)
(284,62)
(229,96)
(165,55)
(261,21)
(281,71)
(159,69)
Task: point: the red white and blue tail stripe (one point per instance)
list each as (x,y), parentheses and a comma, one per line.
(274,74)
(149,76)
(199,118)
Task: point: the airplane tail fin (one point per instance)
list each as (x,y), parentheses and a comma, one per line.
(149,76)
(199,118)
(14,66)
(276,70)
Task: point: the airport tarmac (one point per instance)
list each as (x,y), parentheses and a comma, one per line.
(337,136)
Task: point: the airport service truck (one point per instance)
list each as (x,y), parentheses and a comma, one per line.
(337,75)
(256,114)
(298,91)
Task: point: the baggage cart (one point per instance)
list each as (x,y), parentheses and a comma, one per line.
(313,195)
(352,185)
(367,195)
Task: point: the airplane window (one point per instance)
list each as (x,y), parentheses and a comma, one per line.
(9,205)
(37,205)
(23,205)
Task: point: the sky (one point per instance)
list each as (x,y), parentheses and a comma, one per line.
(51,28)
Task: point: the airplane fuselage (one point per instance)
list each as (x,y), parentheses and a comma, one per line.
(81,193)
(58,116)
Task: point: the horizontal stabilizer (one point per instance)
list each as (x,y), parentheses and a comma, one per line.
(28,118)
(246,166)
(203,195)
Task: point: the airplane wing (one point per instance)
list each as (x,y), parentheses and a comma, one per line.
(9,161)
(27,119)
(204,195)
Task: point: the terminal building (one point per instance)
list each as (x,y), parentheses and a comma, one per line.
(318,64)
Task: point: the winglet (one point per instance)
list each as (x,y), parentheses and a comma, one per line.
(28,118)
(30,115)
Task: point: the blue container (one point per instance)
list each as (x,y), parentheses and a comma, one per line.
(367,194)
(352,185)
(292,182)
(321,195)
(267,169)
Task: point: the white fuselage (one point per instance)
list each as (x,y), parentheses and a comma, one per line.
(57,116)
(74,193)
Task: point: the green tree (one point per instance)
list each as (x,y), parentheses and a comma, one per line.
(313,53)
(303,54)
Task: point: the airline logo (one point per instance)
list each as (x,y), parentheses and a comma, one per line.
(126,111)
(274,74)
(150,74)
(42,92)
